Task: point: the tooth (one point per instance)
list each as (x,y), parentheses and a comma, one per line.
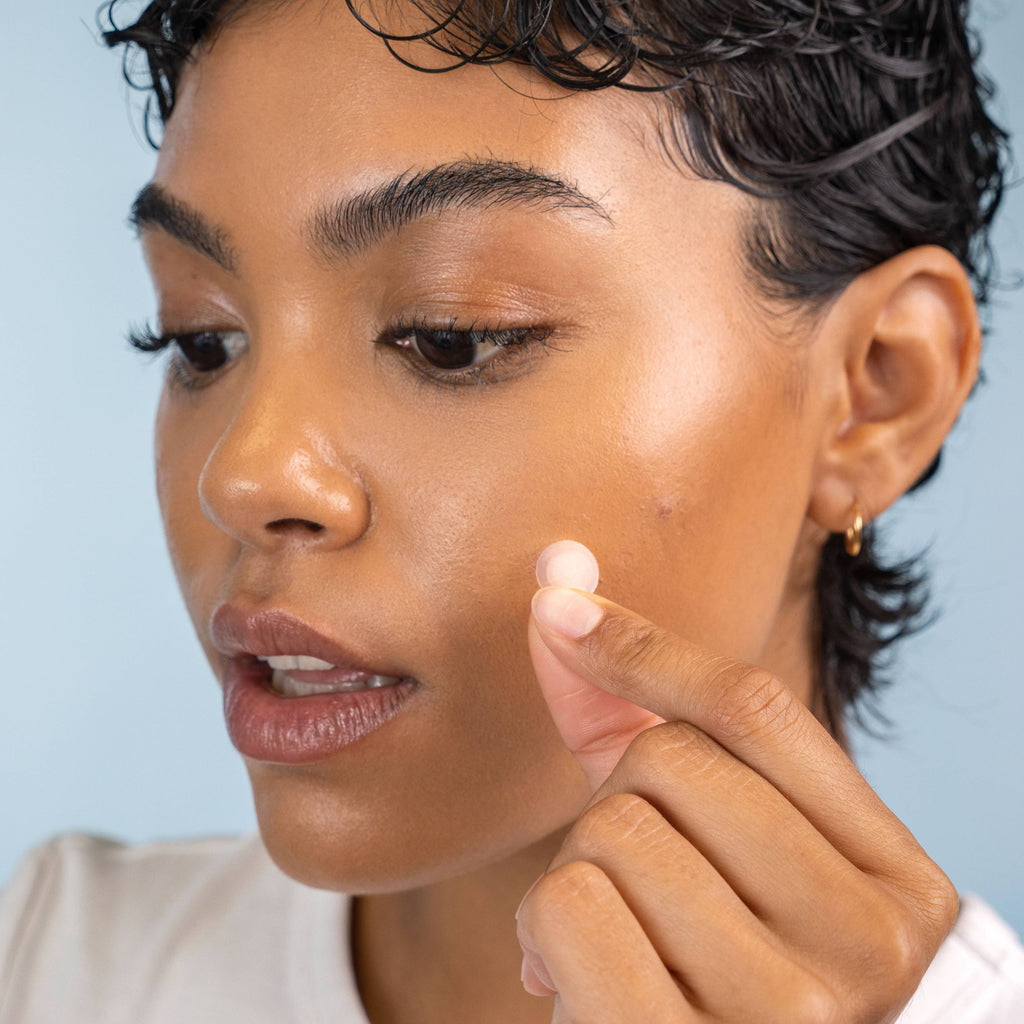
(285,685)
(283,661)
(307,663)
(301,662)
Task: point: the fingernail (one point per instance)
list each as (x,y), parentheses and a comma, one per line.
(567,612)
(567,563)
(534,976)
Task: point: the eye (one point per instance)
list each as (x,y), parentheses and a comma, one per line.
(196,354)
(455,355)
(454,350)
(210,350)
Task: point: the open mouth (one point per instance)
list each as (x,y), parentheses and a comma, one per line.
(301,675)
(280,716)
(294,708)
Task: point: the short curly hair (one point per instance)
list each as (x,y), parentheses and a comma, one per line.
(861,124)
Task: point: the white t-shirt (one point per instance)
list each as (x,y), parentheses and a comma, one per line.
(211,932)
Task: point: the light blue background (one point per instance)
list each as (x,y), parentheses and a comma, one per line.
(111,721)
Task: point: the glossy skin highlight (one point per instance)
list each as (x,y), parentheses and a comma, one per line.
(700,444)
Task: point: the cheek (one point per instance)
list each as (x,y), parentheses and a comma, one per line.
(687,471)
(685,468)
(722,495)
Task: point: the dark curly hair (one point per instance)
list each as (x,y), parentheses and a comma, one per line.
(861,124)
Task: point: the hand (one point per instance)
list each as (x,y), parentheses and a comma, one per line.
(732,865)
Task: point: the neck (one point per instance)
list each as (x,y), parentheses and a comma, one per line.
(449,951)
(791,649)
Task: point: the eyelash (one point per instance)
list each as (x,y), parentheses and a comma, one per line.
(179,375)
(516,344)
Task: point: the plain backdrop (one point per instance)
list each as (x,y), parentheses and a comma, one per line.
(111,720)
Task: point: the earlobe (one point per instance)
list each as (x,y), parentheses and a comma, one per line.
(907,345)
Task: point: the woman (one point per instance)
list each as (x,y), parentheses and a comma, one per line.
(424,326)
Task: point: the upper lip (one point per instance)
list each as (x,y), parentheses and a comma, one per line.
(273,631)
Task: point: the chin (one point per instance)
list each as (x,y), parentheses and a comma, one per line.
(382,846)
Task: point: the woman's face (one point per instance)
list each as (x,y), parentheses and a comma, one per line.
(332,472)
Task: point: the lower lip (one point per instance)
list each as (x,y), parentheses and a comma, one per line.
(265,726)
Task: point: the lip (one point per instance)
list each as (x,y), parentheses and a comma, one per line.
(273,631)
(266,726)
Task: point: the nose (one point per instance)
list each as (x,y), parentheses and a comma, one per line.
(276,478)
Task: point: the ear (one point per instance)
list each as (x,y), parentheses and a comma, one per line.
(905,342)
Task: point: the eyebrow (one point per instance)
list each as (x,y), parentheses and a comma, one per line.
(155,207)
(358,222)
(353,224)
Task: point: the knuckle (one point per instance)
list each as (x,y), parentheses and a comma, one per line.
(905,951)
(810,1003)
(666,739)
(751,701)
(612,820)
(638,644)
(663,751)
(944,903)
(563,890)
(937,900)
(901,955)
(909,927)
(646,747)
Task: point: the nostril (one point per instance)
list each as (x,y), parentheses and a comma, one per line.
(298,525)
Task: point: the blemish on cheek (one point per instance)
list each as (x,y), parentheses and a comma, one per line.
(663,508)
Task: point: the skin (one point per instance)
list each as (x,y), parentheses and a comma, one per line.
(701,444)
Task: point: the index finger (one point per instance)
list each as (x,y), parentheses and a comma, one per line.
(599,644)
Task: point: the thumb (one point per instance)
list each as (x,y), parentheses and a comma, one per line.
(595,725)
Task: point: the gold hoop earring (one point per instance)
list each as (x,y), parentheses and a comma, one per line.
(855,532)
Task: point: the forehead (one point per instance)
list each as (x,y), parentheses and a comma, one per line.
(301,97)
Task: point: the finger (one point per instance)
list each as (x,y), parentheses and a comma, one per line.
(595,725)
(595,953)
(697,925)
(765,856)
(744,708)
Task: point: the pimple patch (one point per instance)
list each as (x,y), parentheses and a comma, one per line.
(567,563)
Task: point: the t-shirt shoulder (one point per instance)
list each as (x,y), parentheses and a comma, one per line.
(93,930)
(206,931)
